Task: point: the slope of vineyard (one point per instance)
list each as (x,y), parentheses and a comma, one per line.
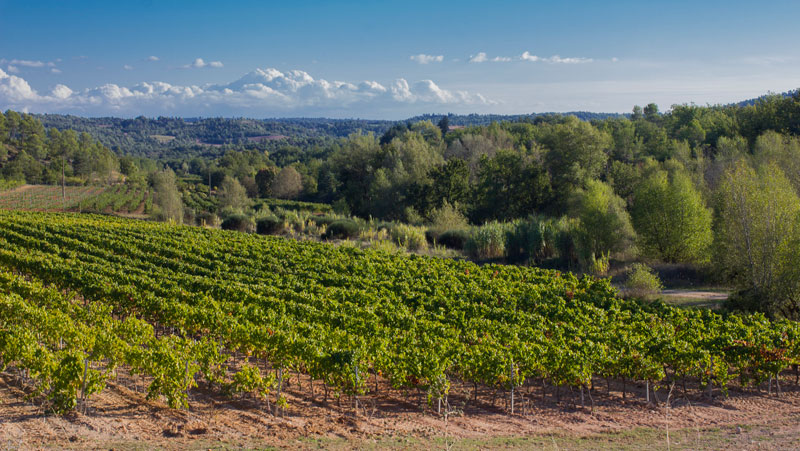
(183,305)
(98,199)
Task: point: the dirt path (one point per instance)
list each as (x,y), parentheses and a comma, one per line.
(120,417)
(695,294)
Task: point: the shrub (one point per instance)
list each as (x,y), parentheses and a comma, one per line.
(269,225)
(454,239)
(342,229)
(239,223)
(599,266)
(324,220)
(487,241)
(642,282)
(447,217)
(413,238)
(207,219)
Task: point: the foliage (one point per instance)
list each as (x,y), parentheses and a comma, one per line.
(169,206)
(642,282)
(604,222)
(487,241)
(342,229)
(269,225)
(757,236)
(671,219)
(288,184)
(338,313)
(231,195)
(410,237)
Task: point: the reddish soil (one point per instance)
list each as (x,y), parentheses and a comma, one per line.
(121,414)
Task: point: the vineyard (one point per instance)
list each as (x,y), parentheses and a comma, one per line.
(83,296)
(97,199)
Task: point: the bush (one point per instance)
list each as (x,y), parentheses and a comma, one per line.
(269,225)
(324,220)
(207,219)
(454,239)
(239,223)
(487,241)
(642,282)
(413,238)
(342,229)
(447,217)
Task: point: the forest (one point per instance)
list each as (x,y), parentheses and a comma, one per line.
(715,187)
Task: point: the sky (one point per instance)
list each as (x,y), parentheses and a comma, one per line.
(389,59)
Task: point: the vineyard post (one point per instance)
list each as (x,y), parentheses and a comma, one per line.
(83,385)
(280,388)
(355,389)
(647,388)
(711,379)
(511,378)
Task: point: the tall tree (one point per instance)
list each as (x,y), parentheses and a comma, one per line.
(757,240)
(671,220)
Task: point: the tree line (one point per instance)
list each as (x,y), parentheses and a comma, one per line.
(711,185)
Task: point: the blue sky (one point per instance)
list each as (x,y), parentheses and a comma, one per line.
(382,59)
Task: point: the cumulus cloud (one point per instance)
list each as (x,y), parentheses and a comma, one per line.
(55,71)
(501,59)
(12,69)
(479,58)
(260,92)
(152,58)
(555,59)
(199,63)
(426,59)
(127,67)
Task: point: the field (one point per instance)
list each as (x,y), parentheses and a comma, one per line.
(98,199)
(105,316)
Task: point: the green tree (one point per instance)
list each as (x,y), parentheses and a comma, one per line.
(510,185)
(605,226)
(757,239)
(231,195)
(168,199)
(264,179)
(288,184)
(671,220)
(577,153)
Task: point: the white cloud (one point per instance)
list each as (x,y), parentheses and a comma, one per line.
(28,63)
(61,91)
(127,67)
(482,57)
(199,63)
(479,58)
(555,59)
(15,89)
(559,60)
(426,59)
(615,60)
(261,92)
(152,58)
(526,56)
(12,69)
(55,71)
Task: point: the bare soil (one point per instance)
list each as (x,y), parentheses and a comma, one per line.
(122,418)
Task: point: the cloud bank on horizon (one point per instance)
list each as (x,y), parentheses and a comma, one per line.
(262,92)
